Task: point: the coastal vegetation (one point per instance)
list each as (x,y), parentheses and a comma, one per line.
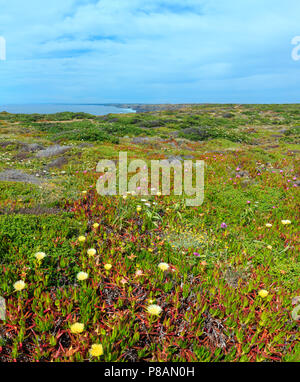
(126,278)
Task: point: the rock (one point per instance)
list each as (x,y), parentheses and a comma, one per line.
(140,140)
(59,162)
(283,131)
(247,182)
(174,159)
(21,156)
(6,143)
(18,176)
(85,144)
(241,174)
(188,157)
(32,147)
(227,115)
(52,151)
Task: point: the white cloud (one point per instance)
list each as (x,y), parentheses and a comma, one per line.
(129,48)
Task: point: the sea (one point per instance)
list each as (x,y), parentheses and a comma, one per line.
(57,108)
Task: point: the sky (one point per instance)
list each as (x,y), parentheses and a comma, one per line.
(149,51)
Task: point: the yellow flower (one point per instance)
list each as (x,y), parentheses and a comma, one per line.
(40,255)
(163,266)
(84,192)
(82,276)
(95,225)
(269,246)
(284,222)
(107,266)
(159,193)
(124,197)
(77,328)
(19,285)
(268,225)
(263,293)
(91,252)
(138,208)
(82,239)
(96,350)
(154,310)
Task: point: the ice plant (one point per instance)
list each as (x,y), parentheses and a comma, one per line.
(91,252)
(82,276)
(77,328)
(154,310)
(223,225)
(163,266)
(19,285)
(107,266)
(40,255)
(82,238)
(263,293)
(96,350)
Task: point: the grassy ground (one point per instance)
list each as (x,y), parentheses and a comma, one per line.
(211,305)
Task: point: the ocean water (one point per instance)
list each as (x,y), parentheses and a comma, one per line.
(57,108)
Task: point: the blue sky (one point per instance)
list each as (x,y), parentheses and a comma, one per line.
(152,51)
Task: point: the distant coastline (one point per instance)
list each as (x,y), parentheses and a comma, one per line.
(59,108)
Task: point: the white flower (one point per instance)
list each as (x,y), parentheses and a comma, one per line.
(91,252)
(163,266)
(82,276)
(40,255)
(107,267)
(19,285)
(154,310)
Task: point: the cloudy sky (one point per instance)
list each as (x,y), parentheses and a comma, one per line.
(152,51)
